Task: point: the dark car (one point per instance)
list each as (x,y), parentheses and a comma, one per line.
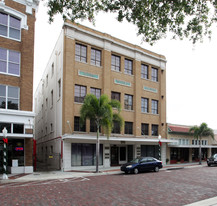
(212,160)
(142,164)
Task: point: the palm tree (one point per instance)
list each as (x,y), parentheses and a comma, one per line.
(101,111)
(202,131)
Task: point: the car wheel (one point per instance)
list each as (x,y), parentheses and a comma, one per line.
(156,169)
(136,171)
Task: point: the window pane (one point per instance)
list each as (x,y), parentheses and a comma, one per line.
(2,102)
(13,104)
(4,19)
(3,30)
(3,66)
(14,33)
(3,54)
(2,91)
(6,125)
(14,57)
(13,69)
(18,128)
(14,22)
(13,92)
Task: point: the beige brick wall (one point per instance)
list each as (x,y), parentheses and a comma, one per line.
(106,84)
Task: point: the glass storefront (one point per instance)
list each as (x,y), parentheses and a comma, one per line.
(85,154)
(150,151)
(16,151)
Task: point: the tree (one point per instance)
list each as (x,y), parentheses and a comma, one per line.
(190,19)
(202,131)
(101,111)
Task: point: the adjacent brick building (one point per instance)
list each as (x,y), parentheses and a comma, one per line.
(88,61)
(17,22)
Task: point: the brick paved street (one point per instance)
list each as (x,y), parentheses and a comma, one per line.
(168,187)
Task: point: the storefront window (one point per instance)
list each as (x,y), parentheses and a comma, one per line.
(16,151)
(85,154)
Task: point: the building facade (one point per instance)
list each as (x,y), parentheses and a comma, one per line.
(17,21)
(88,61)
(186,147)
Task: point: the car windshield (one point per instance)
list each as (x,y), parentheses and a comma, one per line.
(135,160)
(215,156)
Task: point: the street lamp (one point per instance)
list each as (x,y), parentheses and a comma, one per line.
(159,142)
(4,131)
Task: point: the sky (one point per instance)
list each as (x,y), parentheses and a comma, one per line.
(191,72)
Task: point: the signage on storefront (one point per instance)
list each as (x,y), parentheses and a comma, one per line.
(18,148)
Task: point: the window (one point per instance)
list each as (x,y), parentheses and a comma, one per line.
(128,102)
(93,127)
(77,125)
(46,103)
(128,129)
(12,127)
(9,97)
(116,63)
(5,125)
(96,92)
(116,127)
(154,106)
(144,129)
(80,93)
(51,98)
(9,62)
(80,53)
(85,154)
(51,127)
(59,88)
(47,80)
(18,128)
(95,57)
(144,105)
(154,130)
(144,71)
(154,74)
(52,69)
(128,66)
(10,26)
(116,95)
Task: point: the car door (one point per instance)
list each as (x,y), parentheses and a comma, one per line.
(143,165)
(151,163)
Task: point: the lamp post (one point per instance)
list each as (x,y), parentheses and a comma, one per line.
(159,142)
(5,176)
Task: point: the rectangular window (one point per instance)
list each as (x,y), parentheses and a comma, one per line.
(95,57)
(116,127)
(51,127)
(128,102)
(51,98)
(144,129)
(59,88)
(128,129)
(116,96)
(154,106)
(96,92)
(10,26)
(85,154)
(80,53)
(93,126)
(12,128)
(18,128)
(144,105)
(154,130)
(9,97)
(46,103)
(128,66)
(52,70)
(144,71)
(80,93)
(154,74)
(5,125)
(9,62)
(47,80)
(77,125)
(116,63)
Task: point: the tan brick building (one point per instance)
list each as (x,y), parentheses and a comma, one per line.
(17,22)
(186,147)
(88,61)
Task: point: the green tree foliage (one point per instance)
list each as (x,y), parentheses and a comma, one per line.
(101,111)
(190,19)
(202,131)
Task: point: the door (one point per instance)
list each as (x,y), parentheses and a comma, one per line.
(114,156)
(123,155)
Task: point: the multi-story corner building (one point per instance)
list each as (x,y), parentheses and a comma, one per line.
(88,61)
(186,147)
(17,21)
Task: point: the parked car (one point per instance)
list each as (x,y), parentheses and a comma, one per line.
(212,160)
(142,164)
